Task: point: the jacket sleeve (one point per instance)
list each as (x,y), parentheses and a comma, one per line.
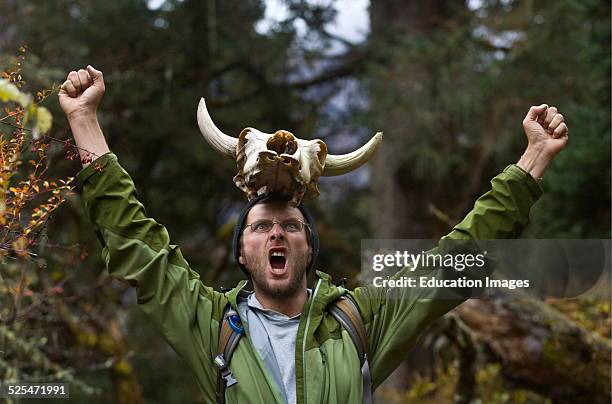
(136,249)
(395,317)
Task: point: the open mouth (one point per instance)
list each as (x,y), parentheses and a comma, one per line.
(278,261)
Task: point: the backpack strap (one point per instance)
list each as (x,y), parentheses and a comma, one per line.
(345,311)
(229,335)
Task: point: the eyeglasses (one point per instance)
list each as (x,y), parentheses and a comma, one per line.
(289,225)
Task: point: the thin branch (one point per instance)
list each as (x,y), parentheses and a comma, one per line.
(14,125)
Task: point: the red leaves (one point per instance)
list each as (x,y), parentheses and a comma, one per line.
(27,197)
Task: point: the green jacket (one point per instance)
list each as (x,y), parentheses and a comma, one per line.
(137,249)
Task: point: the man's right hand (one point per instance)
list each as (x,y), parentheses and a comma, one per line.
(82,92)
(79,97)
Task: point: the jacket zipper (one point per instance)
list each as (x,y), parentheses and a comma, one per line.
(314,295)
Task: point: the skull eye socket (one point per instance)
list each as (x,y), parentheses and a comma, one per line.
(291,147)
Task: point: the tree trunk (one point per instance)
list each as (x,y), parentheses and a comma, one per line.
(402,196)
(541,349)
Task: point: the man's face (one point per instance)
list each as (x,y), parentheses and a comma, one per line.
(277,260)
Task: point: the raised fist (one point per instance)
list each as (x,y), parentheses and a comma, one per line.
(82,92)
(546,130)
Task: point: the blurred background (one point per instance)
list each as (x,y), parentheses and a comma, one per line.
(447,81)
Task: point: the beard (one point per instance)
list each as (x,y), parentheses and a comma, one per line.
(258,266)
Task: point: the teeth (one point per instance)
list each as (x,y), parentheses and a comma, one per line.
(278,254)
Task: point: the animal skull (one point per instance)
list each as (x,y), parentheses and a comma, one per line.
(280,162)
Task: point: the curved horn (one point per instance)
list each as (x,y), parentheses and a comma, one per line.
(344,163)
(219,141)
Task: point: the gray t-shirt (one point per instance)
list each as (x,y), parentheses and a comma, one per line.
(278,349)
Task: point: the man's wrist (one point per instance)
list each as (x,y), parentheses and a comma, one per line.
(534,161)
(81,115)
(88,136)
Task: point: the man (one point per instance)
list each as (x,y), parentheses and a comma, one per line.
(293,350)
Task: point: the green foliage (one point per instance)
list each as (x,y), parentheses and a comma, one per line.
(456,94)
(39,116)
(10,92)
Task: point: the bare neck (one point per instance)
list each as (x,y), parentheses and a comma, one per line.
(290,307)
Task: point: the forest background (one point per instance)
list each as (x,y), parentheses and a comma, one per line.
(447,81)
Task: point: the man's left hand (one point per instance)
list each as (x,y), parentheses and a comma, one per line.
(547,135)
